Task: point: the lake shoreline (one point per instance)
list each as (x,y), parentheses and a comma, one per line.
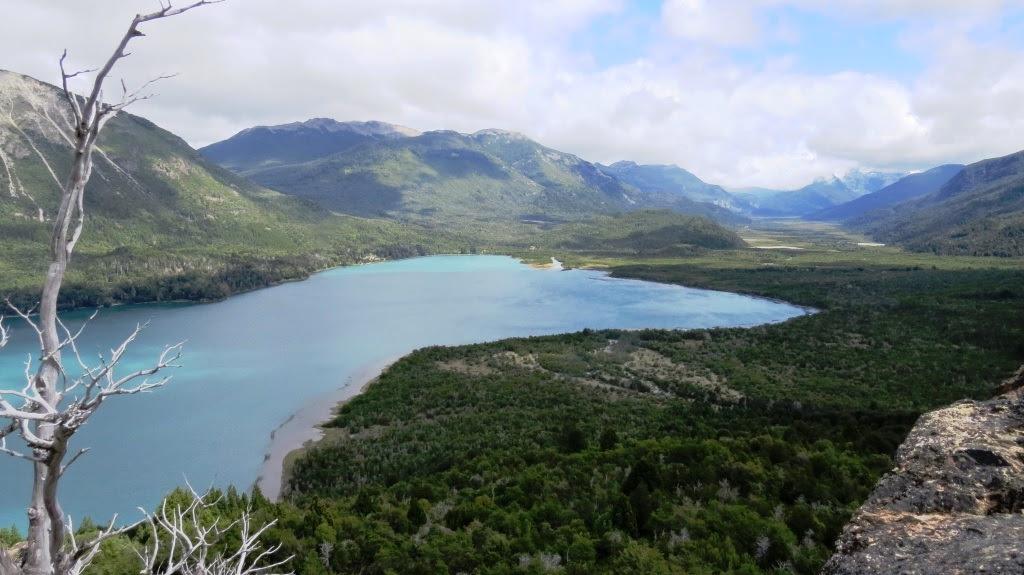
(304,428)
(381,315)
(301,277)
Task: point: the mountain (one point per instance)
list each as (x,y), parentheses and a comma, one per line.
(161,221)
(906,188)
(861,182)
(820,195)
(255,149)
(980,211)
(662,185)
(445,178)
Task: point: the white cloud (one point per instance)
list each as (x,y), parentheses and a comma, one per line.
(467,65)
(725,22)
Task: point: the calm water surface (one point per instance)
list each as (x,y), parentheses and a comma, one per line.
(254,359)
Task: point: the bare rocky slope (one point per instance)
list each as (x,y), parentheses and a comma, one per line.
(954,502)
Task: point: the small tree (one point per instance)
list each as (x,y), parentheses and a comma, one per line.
(54,403)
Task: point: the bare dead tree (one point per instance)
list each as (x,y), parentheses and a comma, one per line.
(54,404)
(189,540)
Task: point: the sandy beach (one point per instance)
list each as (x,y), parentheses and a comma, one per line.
(552,265)
(304,426)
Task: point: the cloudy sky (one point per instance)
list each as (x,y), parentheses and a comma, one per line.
(742,92)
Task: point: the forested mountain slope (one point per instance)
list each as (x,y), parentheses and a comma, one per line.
(162,222)
(704,451)
(644,233)
(980,211)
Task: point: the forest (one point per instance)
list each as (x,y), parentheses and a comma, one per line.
(704,451)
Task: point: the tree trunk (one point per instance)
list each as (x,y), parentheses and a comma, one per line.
(46,518)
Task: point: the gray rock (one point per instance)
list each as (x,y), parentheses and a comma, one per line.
(954,502)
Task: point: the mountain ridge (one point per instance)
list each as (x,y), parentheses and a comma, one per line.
(821,194)
(979,211)
(296,142)
(665,183)
(450,178)
(165,223)
(906,188)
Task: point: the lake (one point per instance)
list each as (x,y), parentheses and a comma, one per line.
(255,359)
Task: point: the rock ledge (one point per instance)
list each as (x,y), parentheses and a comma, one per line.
(954,502)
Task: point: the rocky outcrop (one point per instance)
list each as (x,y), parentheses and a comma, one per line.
(954,502)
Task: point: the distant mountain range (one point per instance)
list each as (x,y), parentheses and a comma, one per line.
(494,178)
(379,170)
(154,198)
(820,195)
(904,189)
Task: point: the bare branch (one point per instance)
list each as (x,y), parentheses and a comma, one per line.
(92,110)
(190,537)
(80,556)
(72,461)
(7,451)
(72,99)
(5,335)
(26,317)
(8,411)
(169,10)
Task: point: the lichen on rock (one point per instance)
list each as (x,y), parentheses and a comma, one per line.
(954,502)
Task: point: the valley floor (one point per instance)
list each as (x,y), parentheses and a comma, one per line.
(705,451)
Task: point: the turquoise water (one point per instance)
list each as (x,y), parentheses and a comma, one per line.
(253,360)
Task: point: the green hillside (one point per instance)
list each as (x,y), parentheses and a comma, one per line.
(703,451)
(646,233)
(980,212)
(453,179)
(161,222)
(464,181)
